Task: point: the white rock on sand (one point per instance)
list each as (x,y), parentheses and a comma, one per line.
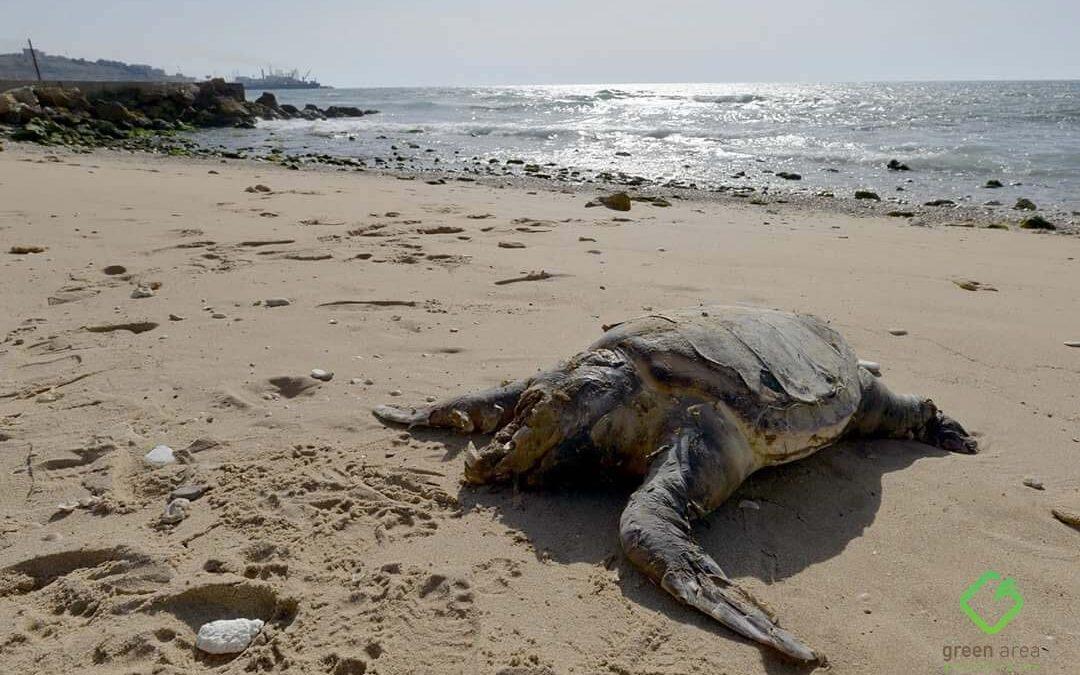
(160,456)
(227,636)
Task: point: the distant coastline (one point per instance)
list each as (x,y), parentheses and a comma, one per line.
(20,66)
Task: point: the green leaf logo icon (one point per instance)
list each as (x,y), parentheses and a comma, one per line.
(1005,590)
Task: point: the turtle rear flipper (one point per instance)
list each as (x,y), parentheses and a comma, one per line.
(697,472)
(479,412)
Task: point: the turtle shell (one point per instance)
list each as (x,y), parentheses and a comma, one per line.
(789,380)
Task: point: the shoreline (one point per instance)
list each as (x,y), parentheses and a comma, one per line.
(359,545)
(955,214)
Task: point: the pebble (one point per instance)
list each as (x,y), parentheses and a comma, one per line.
(1067,516)
(142,292)
(276,302)
(175,511)
(430,399)
(1073,343)
(188,492)
(322,375)
(748,504)
(1034,483)
(175,317)
(227,636)
(395,392)
(897,331)
(160,456)
(217,315)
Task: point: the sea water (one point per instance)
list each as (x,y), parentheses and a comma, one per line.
(955,136)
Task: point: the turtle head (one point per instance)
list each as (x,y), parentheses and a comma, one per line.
(946,433)
(553,417)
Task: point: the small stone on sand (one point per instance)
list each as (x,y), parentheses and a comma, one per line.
(1034,483)
(227,636)
(276,302)
(1073,343)
(1067,516)
(322,375)
(160,456)
(142,292)
(175,511)
(188,492)
(897,331)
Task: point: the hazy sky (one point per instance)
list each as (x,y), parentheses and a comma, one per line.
(414,42)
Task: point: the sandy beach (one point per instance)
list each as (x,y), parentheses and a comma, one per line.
(359,546)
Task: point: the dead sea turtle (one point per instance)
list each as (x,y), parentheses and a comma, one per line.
(693,401)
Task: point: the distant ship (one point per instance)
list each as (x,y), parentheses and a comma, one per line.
(280,79)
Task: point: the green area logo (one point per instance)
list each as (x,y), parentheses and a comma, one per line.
(1005,590)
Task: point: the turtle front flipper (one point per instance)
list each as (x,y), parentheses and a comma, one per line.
(478,412)
(706,461)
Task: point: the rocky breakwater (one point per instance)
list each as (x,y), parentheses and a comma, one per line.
(137,114)
(266,107)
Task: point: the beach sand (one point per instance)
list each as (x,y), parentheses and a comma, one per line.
(358,544)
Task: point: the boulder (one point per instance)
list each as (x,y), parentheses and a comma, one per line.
(620,201)
(344,111)
(897,165)
(310,112)
(115,112)
(9,108)
(58,97)
(24,95)
(267,99)
(14,111)
(1037,223)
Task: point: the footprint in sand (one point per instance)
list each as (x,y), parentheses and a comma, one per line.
(392,505)
(97,572)
(406,606)
(91,452)
(289,386)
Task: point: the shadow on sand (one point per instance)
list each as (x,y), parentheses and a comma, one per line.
(809,511)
